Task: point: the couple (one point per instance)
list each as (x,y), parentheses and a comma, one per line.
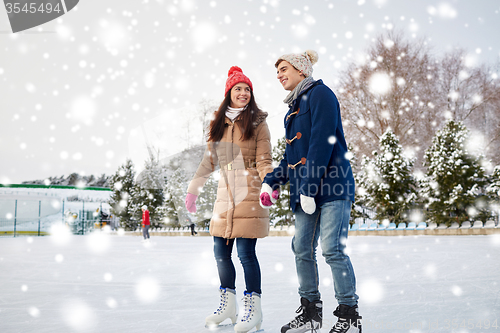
(239,142)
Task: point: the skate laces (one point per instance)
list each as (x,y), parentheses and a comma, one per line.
(347,317)
(302,318)
(247,307)
(223,302)
(341,326)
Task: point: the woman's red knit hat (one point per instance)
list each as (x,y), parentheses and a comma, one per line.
(234,76)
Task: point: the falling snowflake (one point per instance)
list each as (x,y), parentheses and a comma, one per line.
(380,83)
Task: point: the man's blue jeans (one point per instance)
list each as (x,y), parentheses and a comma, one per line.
(246,252)
(331,223)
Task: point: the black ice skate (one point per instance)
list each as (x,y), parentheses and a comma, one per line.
(349,320)
(310,318)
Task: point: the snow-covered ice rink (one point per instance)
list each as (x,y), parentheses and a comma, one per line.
(110,283)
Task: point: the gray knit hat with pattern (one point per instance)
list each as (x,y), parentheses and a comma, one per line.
(303,62)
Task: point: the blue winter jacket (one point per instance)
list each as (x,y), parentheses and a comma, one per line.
(315,160)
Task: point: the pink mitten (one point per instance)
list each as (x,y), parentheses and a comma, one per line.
(267,196)
(191,202)
(276,194)
(265,200)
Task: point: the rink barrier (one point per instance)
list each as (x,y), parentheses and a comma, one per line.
(290,231)
(24,233)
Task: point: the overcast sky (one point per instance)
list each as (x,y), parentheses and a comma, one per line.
(86,91)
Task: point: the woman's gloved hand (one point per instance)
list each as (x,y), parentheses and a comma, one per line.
(267,196)
(191,202)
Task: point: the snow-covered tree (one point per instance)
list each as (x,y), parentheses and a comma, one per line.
(394,88)
(177,187)
(493,190)
(74,179)
(170,216)
(122,183)
(206,200)
(402,85)
(205,112)
(280,213)
(180,169)
(148,191)
(494,182)
(389,180)
(361,195)
(470,94)
(454,177)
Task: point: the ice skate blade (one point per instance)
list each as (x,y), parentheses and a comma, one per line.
(218,327)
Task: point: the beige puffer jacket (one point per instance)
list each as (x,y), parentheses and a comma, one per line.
(243,166)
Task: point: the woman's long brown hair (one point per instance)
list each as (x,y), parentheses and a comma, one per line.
(246,122)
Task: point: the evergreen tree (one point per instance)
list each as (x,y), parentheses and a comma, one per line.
(494,183)
(358,210)
(280,213)
(102,181)
(148,191)
(177,187)
(73,179)
(169,211)
(493,190)
(180,169)
(389,180)
(206,200)
(454,177)
(122,183)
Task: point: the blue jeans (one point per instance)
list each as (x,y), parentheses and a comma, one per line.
(331,223)
(246,252)
(145,231)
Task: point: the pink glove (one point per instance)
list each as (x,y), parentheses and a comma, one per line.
(191,202)
(267,198)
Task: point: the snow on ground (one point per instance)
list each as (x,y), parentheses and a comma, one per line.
(109,283)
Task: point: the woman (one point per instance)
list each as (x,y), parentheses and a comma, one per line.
(239,143)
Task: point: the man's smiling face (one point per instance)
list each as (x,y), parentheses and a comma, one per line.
(288,76)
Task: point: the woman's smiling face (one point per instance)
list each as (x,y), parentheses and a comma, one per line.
(240,95)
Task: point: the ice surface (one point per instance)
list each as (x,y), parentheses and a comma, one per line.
(415,284)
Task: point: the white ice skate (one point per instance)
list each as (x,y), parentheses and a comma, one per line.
(227,309)
(252,314)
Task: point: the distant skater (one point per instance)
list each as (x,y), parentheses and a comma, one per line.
(145,222)
(193,232)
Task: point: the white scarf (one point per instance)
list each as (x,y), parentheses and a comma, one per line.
(232,113)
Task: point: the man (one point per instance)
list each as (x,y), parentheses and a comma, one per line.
(321,193)
(145,222)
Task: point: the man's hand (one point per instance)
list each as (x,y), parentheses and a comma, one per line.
(308,204)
